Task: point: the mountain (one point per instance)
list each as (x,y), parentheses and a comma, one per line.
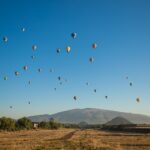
(91,116)
(118,121)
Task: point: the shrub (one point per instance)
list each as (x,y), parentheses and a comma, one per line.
(44,125)
(54,125)
(7,124)
(24,123)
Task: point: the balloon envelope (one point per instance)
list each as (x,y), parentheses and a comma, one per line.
(34,47)
(73,35)
(68,48)
(59,78)
(91,59)
(75,97)
(33,57)
(94,45)
(23,29)
(25,67)
(138,99)
(5,78)
(39,70)
(5,39)
(58,50)
(16,73)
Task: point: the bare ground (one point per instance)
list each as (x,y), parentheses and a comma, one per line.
(73,139)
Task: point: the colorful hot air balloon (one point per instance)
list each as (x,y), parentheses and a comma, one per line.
(23,29)
(29,82)
(25,67)
(5,78)
(138,99)
(106,97)
(130,84)
(33,57)
(59,78)
(68,48)
(51,70)
(91,59)
(58,50)
(34,47)
(39,70)
(16,73)
(94,45)
(75,98)
(73,35)
(5,39)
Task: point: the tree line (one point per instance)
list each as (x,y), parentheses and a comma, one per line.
(10,124)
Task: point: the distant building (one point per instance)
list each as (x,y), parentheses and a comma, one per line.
(35,125)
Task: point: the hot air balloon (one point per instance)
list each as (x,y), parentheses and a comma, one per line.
(127,77)
(95,90)
(33,57)
(29,82)
(75,98)
(87,83)
(5,39)
(23,29)
(68,48)
(10,107)
(34,47)
(94,45)
(51,70)
(130,84)
(5,78)
(16,73)
(55,89)
(138,99)
(59,78)
(106,97)
(25,68)
(29,102)
(91,59)
(39,70)
(58,50)
(73,35)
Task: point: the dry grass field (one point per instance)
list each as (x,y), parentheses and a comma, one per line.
(73,139)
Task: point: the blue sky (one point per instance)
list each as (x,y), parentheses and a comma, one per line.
(121,30)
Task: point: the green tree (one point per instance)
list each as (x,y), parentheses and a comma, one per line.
(24,123)
(54,125)
(44,125)
(7,124)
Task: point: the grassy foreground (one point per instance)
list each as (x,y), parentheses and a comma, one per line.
(72,139)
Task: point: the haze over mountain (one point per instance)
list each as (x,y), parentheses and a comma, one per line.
(91,116)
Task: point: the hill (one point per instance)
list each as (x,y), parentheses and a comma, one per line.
(91,116)
(118,121)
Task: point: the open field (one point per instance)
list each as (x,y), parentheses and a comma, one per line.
(73,139)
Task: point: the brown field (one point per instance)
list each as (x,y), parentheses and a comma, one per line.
(73,139)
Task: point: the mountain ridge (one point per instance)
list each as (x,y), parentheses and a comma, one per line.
(91,116)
